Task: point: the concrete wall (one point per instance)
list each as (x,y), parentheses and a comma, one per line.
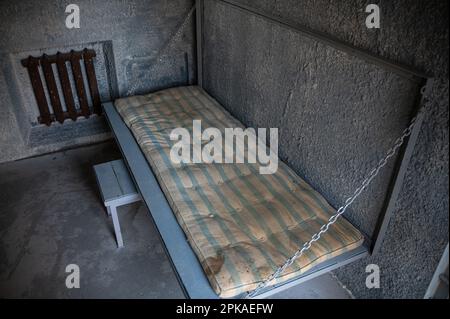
(128,37)
(337,115)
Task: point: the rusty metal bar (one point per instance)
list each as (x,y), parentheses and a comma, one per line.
(52,89)
(92,80)
(66,56)
(65,84)
(32,65)
(75,58)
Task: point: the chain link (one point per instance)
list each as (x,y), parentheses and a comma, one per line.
(158,56)
(341,210)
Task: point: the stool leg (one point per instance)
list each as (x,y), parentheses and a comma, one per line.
(112,210)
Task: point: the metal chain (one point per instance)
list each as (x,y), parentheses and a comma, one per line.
(175,36)
(307,245)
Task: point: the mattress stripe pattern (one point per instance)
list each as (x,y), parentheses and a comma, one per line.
(241,224)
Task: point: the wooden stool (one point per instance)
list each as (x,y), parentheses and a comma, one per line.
(117,189)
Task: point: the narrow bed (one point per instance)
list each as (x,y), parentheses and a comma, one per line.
(240,224)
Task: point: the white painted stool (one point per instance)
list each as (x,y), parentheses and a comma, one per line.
(117,189)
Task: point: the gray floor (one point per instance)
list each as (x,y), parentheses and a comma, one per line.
(51,216)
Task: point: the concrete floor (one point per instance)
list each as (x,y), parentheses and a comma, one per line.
(51,215)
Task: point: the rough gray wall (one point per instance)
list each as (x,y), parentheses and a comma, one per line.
(128,37)
(337,115)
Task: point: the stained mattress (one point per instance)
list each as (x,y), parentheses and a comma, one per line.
(241,224)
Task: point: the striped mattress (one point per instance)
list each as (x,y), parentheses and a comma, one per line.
(241,224)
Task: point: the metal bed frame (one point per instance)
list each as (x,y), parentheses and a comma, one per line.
(185,264)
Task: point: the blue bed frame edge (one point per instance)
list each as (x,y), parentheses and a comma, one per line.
(185,264)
